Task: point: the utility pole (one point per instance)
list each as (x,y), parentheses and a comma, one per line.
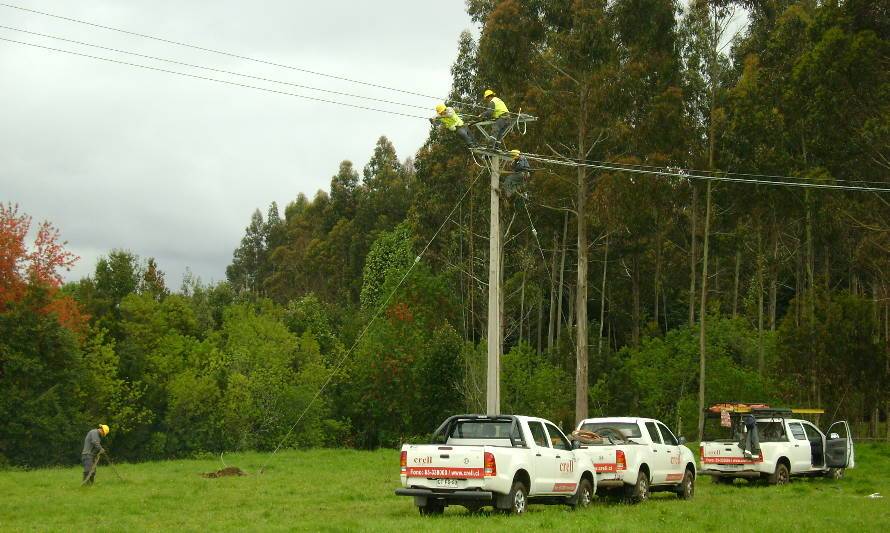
(495,329)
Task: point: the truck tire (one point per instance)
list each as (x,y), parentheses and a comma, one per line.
(431,508)
(686,489)
(780,476)
(639,492)
(518,498)
(585,495)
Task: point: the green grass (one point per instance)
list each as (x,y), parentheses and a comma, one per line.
(353,490)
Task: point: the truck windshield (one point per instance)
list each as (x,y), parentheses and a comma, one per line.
(614,430)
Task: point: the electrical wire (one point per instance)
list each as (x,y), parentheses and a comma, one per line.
(230,54)
(373,318)
(265,89)
(681,173)
(223,71)
(712,172)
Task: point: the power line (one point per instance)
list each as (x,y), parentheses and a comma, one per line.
(681,173)
(223,71)
(196,76)
(220,52)
(709,172)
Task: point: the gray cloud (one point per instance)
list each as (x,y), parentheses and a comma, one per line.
(169,167)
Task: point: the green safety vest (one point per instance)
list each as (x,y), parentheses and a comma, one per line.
(451,120)
(499,107)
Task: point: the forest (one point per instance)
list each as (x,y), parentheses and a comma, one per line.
(356,317)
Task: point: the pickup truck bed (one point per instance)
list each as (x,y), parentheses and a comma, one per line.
(502,461)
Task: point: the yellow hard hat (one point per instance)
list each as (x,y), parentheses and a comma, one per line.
(515,153)
(104,429)
(440,108)
(488,92)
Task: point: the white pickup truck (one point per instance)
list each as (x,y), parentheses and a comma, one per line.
(784,446)
(638,456)
(504,461)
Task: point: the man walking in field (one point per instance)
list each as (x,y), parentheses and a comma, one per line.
(92,447)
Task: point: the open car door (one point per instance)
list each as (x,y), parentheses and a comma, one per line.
(839,446)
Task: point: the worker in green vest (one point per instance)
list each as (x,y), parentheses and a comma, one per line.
(452,122)
(497,111)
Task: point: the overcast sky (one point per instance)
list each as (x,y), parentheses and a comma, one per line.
(171,167)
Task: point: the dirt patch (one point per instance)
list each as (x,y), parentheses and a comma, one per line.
(228,471)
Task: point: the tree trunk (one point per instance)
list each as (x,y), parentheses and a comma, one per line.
(599,347)
(735,290)
(773,279)
(703,315)
(658,246)
(761,363)
(522,305)
(635,300)
(581,384)
(693,256)
(551,323)
(562,270)
(540,320)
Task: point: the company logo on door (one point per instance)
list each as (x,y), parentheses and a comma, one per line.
(423,460)
(567,467)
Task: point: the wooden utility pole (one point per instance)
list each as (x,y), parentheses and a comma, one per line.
(495,329)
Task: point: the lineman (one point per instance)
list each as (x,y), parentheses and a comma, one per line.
(452,122)
(497,111)
(519,177)
(92,447)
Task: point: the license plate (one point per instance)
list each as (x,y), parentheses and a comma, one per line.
(447,483)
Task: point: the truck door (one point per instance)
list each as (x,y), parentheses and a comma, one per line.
(675,467)
(839,446)
(565,475)
(544,461)
(800,454)
(659,465)
(817,445)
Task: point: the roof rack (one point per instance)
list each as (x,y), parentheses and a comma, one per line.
(761,409)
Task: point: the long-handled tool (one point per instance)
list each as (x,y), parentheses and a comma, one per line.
(114,468)
(92,470)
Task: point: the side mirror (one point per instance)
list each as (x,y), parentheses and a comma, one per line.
(834,436)
(682,440)
(576,444)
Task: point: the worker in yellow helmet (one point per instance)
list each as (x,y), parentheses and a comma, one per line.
(92,447)
(520,175)
(497,111)
(449,118)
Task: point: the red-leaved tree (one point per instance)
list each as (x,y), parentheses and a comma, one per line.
(21,268)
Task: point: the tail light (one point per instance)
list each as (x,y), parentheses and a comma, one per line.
(620,460)
(491,467)
(701,452)
(404,463)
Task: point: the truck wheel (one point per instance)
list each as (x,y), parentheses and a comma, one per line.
(835,473)
(780,476)
(518,498)
(585,495)
(686,489)
(639,492)
(431,508)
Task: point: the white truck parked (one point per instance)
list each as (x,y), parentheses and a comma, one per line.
(637,456)
(503,461)
(760,443)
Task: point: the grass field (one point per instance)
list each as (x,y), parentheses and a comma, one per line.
(323,490)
